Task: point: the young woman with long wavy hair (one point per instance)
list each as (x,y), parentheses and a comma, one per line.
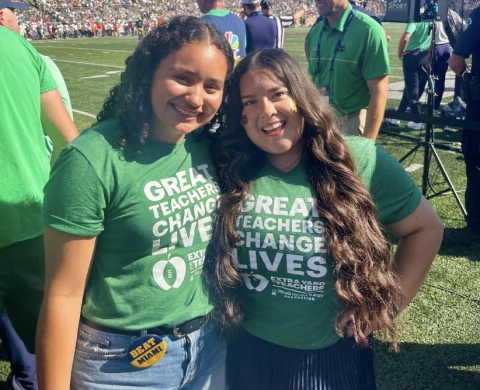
(299,256)
(128,214)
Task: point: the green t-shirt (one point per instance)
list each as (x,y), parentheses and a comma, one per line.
(25,164)
(289,283)
(152,213)
(62,88)
(362,56)
(420,38)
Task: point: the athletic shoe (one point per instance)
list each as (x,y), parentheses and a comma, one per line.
(415,126)
(394,122)
(407,110)
(464,235)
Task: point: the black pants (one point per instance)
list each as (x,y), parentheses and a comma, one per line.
(471,152)
(415,79)
(22,279)
(443,53)
(22,363)
(255,364)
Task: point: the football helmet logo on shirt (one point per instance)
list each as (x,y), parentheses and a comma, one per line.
(178,264)
(255,282)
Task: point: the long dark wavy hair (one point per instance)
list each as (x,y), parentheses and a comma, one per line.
(364,279)
(130,101)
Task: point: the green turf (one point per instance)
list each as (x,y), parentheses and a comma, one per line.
(440,331)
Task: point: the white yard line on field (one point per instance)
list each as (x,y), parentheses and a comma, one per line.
(88,63)
(413,167)
(94,77)
(86,48)
(84,113)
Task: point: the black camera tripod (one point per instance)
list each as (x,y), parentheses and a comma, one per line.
(428,143)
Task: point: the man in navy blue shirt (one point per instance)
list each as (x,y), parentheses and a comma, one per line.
(261,31)
(469,44)
(231,25)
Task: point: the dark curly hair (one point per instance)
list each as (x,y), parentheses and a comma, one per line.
(130,101)
(364,278)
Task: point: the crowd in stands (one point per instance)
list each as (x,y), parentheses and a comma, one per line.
(53,19)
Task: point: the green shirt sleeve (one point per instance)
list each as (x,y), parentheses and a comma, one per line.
(392,189)
(62,87)
(47,83)
(312,41)
(411,27)
(376,62)
(75,198)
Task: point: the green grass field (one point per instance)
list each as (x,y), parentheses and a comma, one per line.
(440,330)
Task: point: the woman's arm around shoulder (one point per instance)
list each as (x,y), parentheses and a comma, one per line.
(68,259)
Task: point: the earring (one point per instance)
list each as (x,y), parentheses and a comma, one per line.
(293,106)
(243,120)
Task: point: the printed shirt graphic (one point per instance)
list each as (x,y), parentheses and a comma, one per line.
(152,214)
(233,28)
(288,276)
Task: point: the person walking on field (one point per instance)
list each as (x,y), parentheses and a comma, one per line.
(281,21)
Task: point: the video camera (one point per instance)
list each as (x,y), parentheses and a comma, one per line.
(414,11)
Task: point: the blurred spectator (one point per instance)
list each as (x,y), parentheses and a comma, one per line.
(281,21)
(231,25)
(261,31)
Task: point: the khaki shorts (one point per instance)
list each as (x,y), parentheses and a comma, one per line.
(354,123)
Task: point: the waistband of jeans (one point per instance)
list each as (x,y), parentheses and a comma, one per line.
(178,331)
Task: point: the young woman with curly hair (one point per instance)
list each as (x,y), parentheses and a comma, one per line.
(299,256)
(128,217)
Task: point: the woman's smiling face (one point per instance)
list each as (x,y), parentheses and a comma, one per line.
(187,90)
(273,121)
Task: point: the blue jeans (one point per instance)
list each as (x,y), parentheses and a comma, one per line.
(195,362)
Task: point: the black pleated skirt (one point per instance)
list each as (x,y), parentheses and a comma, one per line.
(256,364)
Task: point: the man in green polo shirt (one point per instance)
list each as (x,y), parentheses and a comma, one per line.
(351,68)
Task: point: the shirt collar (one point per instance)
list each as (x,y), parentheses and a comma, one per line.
(218,12)
(341,22)
(256,13)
